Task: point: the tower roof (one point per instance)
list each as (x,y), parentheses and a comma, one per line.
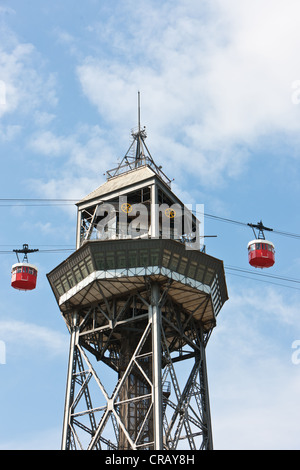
(131,177)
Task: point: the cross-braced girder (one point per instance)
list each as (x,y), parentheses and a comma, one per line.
(127,383)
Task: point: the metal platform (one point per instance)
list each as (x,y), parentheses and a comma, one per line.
(103,270)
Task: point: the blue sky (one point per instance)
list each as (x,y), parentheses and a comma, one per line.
(219,93)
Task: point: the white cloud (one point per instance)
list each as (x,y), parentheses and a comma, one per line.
(20,337)
(84,157)
(213,79)
(26,87)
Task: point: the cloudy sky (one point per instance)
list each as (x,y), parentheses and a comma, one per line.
(220,98)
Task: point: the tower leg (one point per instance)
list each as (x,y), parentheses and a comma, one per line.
(66,435)
(155,318)
(203,379)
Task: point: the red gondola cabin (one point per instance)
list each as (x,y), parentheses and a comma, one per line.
(24,276)
(261,253)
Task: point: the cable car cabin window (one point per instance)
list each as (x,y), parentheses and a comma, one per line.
(19,270)
(257,246)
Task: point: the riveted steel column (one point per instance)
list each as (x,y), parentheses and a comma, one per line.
(74,329)
(155,318)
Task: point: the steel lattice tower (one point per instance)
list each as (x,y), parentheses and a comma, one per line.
(140,310)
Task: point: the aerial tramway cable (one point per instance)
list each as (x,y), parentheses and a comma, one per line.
(240,272)
(67,202)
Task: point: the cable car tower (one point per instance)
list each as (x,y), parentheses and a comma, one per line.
(140,306)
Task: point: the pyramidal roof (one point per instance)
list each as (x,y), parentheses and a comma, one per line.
(120,181)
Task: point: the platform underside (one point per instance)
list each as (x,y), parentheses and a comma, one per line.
(103,271)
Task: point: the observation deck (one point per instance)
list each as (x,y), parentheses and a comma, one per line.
(100,271)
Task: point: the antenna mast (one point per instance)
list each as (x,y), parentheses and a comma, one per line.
(138,153)
(139,111)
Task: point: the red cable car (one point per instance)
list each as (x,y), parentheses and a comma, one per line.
(24,275)
(261,252)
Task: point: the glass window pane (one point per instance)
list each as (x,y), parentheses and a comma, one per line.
(132,259)
(154,257)
(77,274)
(166,258)
(121,259)
(110,260)
(100,261)
(200,273)
(83,269)
(70,279)
(58,287)
(174,261)
(64,283)
(182,265)
(192,269)
(89,264)
(144,258)
(208,276)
